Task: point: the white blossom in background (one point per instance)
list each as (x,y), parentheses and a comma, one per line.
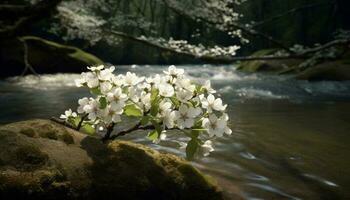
(164,101)
(81,19)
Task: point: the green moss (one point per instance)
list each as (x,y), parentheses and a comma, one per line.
(67,138)
(202,182)
(335,71)
(256,65)
(28,132)
(48,177)
(71,52)
(30,157)
(50,134)
(90,167)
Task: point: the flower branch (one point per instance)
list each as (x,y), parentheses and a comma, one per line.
(169,101)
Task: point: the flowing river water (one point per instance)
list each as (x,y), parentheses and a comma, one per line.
(291,139)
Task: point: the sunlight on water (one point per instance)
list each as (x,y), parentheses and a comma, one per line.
(290,138)
(45,82)
(251,93)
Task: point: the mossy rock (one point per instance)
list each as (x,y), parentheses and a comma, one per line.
(45,57)
(267,65)
(34,165)
(332,71)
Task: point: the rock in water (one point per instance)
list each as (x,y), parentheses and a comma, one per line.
(40,159)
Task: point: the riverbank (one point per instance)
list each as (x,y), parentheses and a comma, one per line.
(332,70)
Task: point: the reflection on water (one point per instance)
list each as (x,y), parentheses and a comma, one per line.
(290,138)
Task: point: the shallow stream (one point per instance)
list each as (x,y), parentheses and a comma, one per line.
(291,139)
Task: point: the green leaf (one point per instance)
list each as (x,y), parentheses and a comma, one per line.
(198,88)
(74,120)
(103,102)
(175,101)
(155,99)
(193,103)
(95,91)
(88,129)
(195,133)
(145,120)
(132,111)
(125,90)
(199,129)
(157,126)
(154,94)
(191,148)
(198,124)
(153,135)
(154,109)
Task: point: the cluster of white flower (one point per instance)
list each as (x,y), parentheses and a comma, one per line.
(161,102)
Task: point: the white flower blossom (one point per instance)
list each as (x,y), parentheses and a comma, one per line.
(186,85)
(173,71)
(105,87)
(210,103)
(88,78)
(134,94)
(91,80)
(146,100)
(182,145)
(117,97)
(92,108)
(82,103)
(81,81)
(97,68)
(225,118)
(184,95)
(106,74)
(156,80)
(185,116)
(112,113)
(161,137)
(118,80)
(208,88)
(207,147)
(214,125)
(68,114)
(166,90)
(163,106)
(169,118)
(178,104)
(131,79)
